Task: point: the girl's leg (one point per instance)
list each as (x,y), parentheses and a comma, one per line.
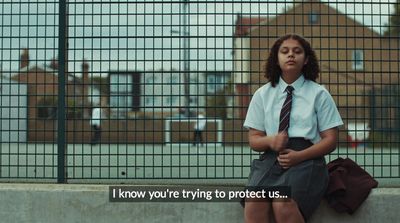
(201,137)
(287,211)
(194,137)
(197,137)
(257,211)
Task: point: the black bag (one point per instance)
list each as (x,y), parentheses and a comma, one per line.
(349,185)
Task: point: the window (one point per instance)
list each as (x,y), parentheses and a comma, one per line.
(170,101)
(215,83)
(149,101)
(121,88)
(174,100)
(357,58)
(174,80)
(157,100)
(46,112)
(149,80)
(211,84)
(47,108)
(193,100)
(313,18)
(125,91)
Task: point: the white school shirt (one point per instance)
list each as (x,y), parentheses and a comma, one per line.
(200,123)
(96,116)
(313,109)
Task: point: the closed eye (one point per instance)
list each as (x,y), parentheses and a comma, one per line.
(284,50)
(296,50)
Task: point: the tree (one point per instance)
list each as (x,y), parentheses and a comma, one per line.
(394,22)
(101,83)
(216,105)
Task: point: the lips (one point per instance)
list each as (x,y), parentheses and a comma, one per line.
(290,62)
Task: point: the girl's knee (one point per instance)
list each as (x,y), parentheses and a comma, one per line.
(258,211)
(283,209)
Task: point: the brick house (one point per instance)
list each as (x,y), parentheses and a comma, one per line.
(42,84)
(355,61)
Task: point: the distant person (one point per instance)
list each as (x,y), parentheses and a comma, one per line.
(95,122)
(199,128)
(182,112)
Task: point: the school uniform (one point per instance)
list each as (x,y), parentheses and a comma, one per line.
(199,127)
(313,110)
(95,122)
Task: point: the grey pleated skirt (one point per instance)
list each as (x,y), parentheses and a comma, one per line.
(307,180)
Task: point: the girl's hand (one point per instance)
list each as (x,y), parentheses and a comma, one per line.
(279,142)
(288,158)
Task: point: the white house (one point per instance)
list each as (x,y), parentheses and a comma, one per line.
(164,91)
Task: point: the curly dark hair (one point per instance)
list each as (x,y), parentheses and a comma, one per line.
(272,69)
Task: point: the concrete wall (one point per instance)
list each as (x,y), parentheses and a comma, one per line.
(90,203)
(136,131)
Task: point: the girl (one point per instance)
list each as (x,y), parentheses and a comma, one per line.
(294,122)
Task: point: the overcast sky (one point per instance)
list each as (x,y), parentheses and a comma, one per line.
(137,35)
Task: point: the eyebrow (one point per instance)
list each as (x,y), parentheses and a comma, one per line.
(296,47)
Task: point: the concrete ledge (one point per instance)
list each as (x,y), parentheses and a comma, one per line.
(89,203)
(382,205)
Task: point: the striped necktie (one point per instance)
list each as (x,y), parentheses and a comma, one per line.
(284,118)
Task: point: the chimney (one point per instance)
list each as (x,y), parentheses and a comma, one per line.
(24,60)
(85,72)
(297,2)
(85,88)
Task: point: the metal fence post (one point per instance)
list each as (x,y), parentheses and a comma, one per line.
(62,47)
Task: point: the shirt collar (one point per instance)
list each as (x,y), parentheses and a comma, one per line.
(296,85)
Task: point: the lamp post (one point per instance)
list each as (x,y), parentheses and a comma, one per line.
(186,57)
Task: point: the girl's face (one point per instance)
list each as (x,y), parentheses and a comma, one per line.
(291,57)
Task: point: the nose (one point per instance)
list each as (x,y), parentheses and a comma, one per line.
(291,53)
